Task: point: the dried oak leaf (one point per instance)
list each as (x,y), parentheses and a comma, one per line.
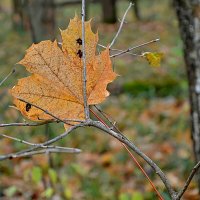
(56,81)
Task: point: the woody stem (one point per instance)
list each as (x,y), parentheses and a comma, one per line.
(86,107)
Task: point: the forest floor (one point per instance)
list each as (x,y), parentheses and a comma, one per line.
(150,106)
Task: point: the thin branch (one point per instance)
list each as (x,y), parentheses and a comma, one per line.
(73,120)
(120,27)
(10,73)
(192,173)
(29,143)
(42,151)
(134,47)
(105,115)
(119,50)
(39,123)
(55,139)
(86,107)
(26,124)
(70,150)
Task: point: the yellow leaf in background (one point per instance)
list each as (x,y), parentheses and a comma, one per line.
(153,58)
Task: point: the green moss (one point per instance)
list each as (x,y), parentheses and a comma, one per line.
(159,87)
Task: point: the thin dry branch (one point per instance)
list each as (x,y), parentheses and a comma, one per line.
(119,50)
(37,123)
(134,47)
(86,107)
(42,151)
(121,25)
(192,173)
(10,73)
(40,145)
(26,124)
(55,139)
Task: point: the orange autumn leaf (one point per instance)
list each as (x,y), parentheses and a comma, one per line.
(56,81)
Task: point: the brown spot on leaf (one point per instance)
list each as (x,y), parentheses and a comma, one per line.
(28,107)
(79,41)
(79,53)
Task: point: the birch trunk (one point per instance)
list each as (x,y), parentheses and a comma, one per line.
(188,12)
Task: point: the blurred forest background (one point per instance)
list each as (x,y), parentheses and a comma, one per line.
(150,106)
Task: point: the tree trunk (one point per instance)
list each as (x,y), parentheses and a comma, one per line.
(41,14)
(109,11)
(17,15)
(136,9)
(188,12)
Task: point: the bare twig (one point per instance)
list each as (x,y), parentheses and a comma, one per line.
(192,173)
(26,124)
(39,123)
(40,145)
(86,107)
(10,73)
(134,47)
(119,50)
(105,115)
(120,27)
(28,143)
(23,152)
(42,151)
